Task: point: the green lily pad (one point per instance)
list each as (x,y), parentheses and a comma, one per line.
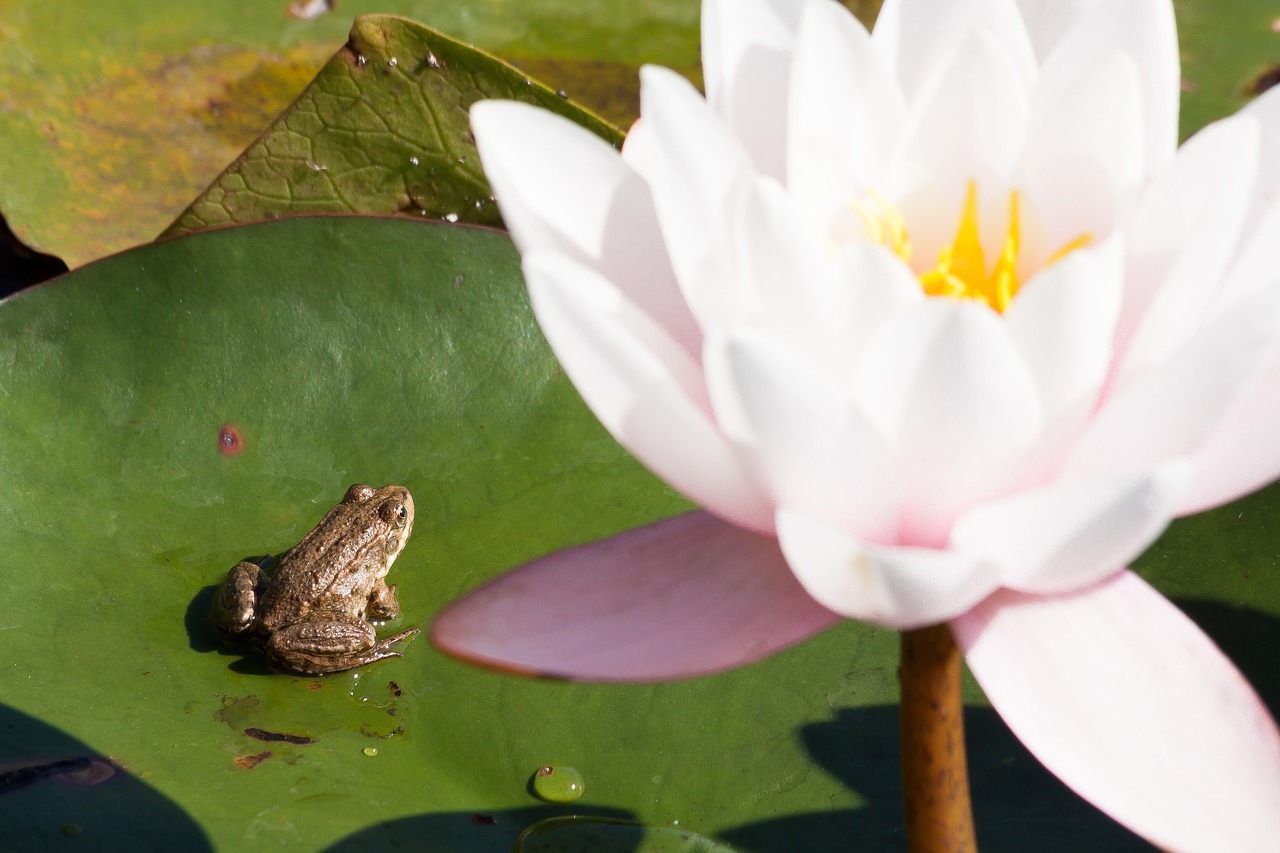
(384,128)
(174,409)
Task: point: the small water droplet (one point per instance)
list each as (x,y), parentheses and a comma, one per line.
(558,784)
(393,62)
(451,217)
(361,59)
(432,61)
(480,204)
(370,751)
(462,160)
(562,93)
(413,161)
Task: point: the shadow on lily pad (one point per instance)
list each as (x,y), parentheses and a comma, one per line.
(202,638)
(1018,805)
(460,832)
(56,793)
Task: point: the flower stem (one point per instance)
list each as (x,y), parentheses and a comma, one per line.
(935,773)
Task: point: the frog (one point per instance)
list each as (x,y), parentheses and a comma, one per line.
(314,614)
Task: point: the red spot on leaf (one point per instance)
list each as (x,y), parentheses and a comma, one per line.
(230,439)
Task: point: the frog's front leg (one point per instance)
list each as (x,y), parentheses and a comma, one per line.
(382,602)
(329,642)
(235,601)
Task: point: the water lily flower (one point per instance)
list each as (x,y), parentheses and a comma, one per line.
(938,325)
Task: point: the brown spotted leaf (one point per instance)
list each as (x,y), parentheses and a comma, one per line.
(383,128)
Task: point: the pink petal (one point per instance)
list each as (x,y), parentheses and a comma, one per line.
(1124,699)
(683,597)
(890,586)
(643,388)
(1068,535)
(561,187)
(746,60)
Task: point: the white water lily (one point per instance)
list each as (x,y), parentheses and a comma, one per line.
(941,322)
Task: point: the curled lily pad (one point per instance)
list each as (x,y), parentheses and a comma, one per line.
(382,129)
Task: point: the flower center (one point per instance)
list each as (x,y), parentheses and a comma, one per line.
(961,271)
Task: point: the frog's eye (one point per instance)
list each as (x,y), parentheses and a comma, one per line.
(394,512)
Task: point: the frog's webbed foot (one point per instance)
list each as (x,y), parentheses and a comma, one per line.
(235,601)
(382,602)
(330,642)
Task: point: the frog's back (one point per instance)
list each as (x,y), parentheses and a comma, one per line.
(334,568)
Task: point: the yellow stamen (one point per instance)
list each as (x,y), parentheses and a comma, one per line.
(884,224)
(961,271)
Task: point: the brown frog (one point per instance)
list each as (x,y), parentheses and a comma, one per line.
(311,616)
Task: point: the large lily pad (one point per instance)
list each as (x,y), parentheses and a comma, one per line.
(171,410)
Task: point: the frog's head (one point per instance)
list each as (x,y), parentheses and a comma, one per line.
(393,508)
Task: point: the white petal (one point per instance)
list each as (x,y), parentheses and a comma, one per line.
(642,387)
(823,307)
(845,112)
(1265,109)
(1171,410)
(914,33)
(1184,236)
(869,285)
(944,382)
(1255,264)
(808,442)
(1063,320)
(1242,454)
(1085,154)
(1047,21)
(968,125)
(1069,535)
(1145,30)
(900,588)
(695,168)
(781,266)
(746,58)
(560,187)
(1125,700)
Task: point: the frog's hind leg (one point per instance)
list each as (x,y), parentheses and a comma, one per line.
(330,642)
(235,602)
